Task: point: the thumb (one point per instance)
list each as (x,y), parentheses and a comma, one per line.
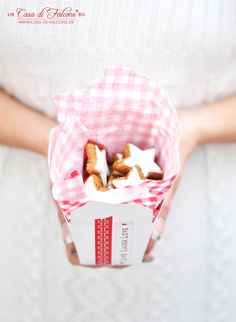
(159,227)
(161,219)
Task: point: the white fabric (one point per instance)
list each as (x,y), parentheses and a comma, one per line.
(189,47)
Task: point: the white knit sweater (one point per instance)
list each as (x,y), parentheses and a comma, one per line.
(187,46)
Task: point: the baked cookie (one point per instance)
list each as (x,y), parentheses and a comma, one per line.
(133,178)
(144,159)
(97,162)
(113,175)
(118,156)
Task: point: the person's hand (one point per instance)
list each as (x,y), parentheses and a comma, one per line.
(209,123)
(189,139)
(70,246)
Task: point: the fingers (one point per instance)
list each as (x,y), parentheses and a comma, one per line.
(70,246)
(118,266)
(159,227)
(147,256)
(72,254)
(161,219)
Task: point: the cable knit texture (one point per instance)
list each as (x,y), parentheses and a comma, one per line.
(187,46)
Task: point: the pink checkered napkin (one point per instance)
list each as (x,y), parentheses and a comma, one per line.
(120,107)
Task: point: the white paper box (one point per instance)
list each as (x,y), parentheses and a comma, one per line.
(108,234)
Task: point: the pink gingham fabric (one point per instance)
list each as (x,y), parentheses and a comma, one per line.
(120,107)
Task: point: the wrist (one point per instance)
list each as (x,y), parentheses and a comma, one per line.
(48,125)
(190,134)
(216,121)
(23,127)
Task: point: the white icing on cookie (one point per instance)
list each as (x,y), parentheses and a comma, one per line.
(132,179)
(142,158)
(90,186)
(101,165)
(92,192)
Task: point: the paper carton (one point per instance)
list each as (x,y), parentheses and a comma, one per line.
(106,234)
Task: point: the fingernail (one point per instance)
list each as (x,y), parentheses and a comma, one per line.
(148,259)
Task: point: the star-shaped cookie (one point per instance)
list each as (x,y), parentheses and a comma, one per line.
(144,159)
(133,178)
(97,162)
